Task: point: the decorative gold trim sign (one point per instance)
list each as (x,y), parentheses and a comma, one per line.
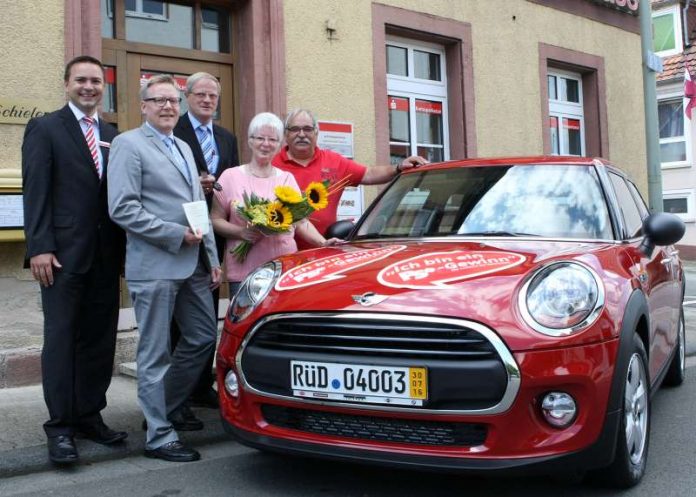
(14,111)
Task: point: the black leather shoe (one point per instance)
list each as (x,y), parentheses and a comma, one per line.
(62,450)
(185,420)
(102,434)
(182,420)
(207,399)
(173,451)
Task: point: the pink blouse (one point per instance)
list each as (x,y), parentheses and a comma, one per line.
(235,182)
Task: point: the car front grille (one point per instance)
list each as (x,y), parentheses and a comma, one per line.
(376,337)
(469,368)
(382,429)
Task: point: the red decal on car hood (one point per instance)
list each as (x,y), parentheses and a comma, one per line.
(436,269)
(331,268)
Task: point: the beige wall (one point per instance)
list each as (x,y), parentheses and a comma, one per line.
(31,34)
(334,78)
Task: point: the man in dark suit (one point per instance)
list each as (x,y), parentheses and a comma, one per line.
(214,150)
(75,252)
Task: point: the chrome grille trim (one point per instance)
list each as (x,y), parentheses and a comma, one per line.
(511,367)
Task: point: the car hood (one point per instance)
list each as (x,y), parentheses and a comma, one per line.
(475,280)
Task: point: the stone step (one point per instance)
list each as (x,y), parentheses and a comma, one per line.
(128,369)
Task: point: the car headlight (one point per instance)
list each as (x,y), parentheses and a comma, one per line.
(253,290)
(562,298)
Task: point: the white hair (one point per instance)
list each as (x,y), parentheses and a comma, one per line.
(266,119)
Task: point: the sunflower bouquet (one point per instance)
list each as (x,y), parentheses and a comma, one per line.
(277,216)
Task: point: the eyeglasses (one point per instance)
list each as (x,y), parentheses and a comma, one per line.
(162,101)
(201,95)
(260,139)
(296,129)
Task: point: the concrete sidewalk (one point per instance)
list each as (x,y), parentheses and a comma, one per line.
(23,441)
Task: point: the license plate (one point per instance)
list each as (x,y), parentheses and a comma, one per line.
(359,383)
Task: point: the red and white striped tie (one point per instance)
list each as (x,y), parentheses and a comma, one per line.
(92,143)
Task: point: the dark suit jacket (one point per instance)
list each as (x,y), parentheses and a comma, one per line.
(65,202)
(227,146)
(226,143)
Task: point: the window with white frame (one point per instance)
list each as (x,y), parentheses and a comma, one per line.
(681,203)
(417,100)
(152,9)
(667,31)
(566,114)
(674,149)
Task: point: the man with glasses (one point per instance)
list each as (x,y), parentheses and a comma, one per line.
(307,163)
(170,270)
(214,150)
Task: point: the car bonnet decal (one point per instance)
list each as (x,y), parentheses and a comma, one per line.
(332,267)
(435,269)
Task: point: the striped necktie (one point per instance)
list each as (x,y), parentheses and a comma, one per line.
(207,147)
(92,142)
(180,161)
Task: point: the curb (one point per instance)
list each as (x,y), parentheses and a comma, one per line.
(21,367)
(34,459)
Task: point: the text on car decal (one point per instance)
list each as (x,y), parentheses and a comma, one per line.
(436,269)
(332,267)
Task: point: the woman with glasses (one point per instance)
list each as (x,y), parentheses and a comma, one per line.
(260,177)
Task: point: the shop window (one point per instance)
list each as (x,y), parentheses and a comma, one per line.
(674,151)
(667,32)
(681,203)
(417,100)
(566,113)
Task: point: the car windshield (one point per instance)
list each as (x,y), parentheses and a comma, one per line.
(527,200)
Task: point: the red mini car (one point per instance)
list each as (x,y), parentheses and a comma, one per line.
(491,314)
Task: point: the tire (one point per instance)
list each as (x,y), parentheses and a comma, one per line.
(677,368)
(633,438)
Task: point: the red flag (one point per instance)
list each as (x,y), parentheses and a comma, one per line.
(689,93)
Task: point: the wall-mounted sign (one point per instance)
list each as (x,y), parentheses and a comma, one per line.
(630,6)
(338,137)
(11,211)
(350,206)
(13,111)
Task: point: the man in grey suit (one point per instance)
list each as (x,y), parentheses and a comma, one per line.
(169,268)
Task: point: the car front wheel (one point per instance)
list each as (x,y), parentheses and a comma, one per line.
(634,433)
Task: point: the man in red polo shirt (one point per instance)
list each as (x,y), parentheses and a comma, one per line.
(306,162)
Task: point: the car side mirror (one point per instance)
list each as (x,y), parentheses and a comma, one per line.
(661,228)
(340,229)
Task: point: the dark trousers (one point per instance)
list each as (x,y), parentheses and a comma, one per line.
(80,321)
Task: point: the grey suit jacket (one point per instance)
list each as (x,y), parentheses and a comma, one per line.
(146,191)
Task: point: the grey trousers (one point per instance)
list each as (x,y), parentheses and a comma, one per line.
(165,380)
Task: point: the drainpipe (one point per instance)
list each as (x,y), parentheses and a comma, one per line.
(652,143)
(685,24)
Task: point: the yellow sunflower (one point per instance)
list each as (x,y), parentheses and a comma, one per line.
(317,196)
(288,194)
(279,216)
